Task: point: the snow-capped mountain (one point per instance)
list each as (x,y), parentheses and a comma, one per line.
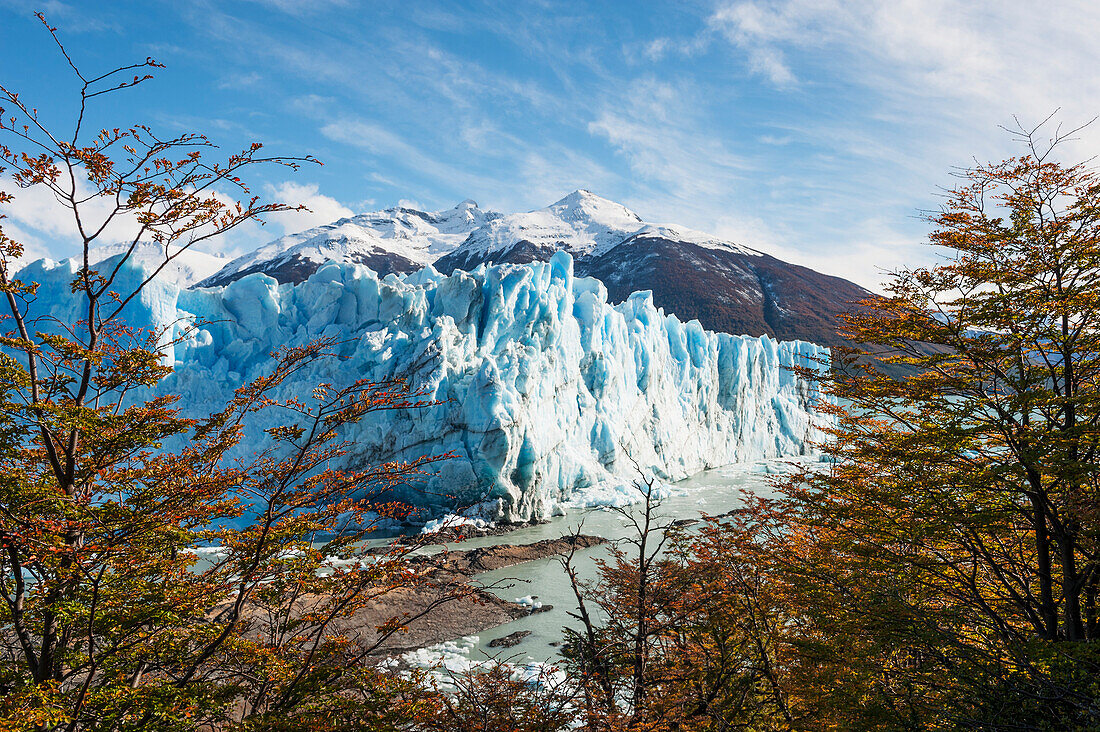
(726,286)
(186,268)
(582,224)
(548,387)
(394,240)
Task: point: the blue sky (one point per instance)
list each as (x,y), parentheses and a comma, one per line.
(814,130)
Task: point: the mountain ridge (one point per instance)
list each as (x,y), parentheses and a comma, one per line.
(398,239)
(726,286)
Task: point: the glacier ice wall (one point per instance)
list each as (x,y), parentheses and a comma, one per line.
(549,395)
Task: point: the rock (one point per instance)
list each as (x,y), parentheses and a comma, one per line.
(469,531)
(512,639)
(485,559)
(473,611)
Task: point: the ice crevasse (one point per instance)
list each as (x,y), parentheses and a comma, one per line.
(547,394)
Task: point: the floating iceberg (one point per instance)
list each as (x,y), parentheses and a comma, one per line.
(549,396)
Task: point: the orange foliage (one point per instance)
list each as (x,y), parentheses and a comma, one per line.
(126,600)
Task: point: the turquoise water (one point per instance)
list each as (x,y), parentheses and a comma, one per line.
(544,581)
(712,492)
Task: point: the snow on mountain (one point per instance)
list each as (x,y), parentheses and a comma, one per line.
(394,240)
(671,232)
(548,394)
(726,286)
(581,223)
(187,267)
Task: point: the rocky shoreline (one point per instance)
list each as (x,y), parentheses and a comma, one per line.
(449,604)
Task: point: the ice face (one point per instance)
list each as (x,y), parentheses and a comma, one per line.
(548,395)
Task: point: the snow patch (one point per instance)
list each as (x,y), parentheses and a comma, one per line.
(690,236)
(582,223)
(529,602)
(453,521)
(186,267)
(444,661)
(416,236)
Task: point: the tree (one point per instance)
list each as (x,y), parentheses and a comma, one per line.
(613,658)
(939,570)
(949,560)
(678,630)
(500,697)
(127,601)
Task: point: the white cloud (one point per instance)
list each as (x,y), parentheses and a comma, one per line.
(811,128)
(865,253)
(751,231)
(301,7)
(659,48)
(777,140)
(903,91)
(241,81)
(534,173)
(382,143)
(769,62)
(553,171)
(33,248)
(755,28)
(652,127)
(932,57)
(322,209)
(74,17)
(656,49)
(48,229)
(40,217)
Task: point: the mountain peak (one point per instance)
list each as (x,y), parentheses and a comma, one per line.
(576,196)
(396,239)
(585,201)
(694,274)
(590,210)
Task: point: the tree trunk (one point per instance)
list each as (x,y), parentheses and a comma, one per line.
(1071,588)
(1047,608)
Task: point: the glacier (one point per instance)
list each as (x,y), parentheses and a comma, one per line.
(548,395)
